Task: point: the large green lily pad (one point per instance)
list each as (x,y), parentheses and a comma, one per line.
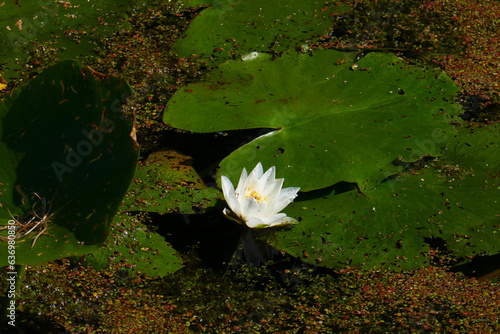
(236,27)
(65,25)
(167,183)
(332,123)
(453,203)
(68,151)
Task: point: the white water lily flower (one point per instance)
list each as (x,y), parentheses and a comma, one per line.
(258,198)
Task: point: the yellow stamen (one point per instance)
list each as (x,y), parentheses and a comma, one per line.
(255,195)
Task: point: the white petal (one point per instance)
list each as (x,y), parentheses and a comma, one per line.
(284,221)
(241,182)
(276,220)
(272,177)
(255,223)
(230,196)
(272,190)
(273,219)
(286,196)
(266,179)
(256,172)
(251,208)
(230,215)
(249,182)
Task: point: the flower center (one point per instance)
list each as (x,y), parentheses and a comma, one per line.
(255,195)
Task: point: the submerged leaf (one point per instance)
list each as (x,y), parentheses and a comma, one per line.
(135,247)
(166,183)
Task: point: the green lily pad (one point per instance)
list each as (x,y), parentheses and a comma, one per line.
(138,249)
(68,26)
(68,155)
(332,123)
(453,201)
(232,27)
(167,183)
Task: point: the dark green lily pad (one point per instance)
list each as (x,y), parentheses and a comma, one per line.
(66,25)
(452,203)
(236,27)
(167,183)
(332,123)
(68,151)
(136,248)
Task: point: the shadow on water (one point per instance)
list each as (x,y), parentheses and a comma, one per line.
(208,149)
(213,238)
(481,267)
(221,244)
